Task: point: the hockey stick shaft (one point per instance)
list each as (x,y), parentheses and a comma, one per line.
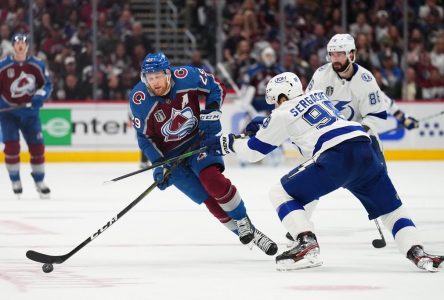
(15,107)
(43,258)
(170,160)
(51,259)
(420,120)
(160,163)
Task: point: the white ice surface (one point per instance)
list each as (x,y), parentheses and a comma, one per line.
(167,247)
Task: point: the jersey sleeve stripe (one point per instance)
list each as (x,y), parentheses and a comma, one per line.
(333,134)
(262,147)
(381,115)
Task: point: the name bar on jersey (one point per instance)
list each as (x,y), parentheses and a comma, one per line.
(308,101)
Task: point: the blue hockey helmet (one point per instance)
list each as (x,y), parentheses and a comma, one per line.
(20,37)
(155,62)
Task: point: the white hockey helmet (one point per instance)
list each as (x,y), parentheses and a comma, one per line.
(341,42)
(287,84)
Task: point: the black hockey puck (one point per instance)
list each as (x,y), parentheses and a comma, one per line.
(378,243)
(47,268)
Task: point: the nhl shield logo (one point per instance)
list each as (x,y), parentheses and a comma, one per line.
(329,90)
(10,72)
(160,116)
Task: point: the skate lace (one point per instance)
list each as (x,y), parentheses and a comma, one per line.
(262,241)
(244,227)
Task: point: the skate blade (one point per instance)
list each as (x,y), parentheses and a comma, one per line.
(310,260)
(18,196)
(44,196)
(290,265)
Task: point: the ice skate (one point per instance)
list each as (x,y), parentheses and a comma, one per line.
(425,261)
(17,188)
(264,243)
(245,230)
(305,254)
(290,241)
(43,190)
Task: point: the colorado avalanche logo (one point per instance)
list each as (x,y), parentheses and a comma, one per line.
(138,97)
(23,85)
(181,123)
(181,73)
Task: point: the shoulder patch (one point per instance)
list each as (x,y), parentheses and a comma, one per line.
(138,97)
(266,121)
(310,85)
(366,77)
(181,73)
(322,68)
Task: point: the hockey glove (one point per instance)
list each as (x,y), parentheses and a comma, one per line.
(219,145)
(159,177)
(406,121)
(210,122)
(37,101)
(254,125)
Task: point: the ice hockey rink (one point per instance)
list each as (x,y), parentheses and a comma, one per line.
(167,247)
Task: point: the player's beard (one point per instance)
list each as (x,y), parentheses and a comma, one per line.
(339,68)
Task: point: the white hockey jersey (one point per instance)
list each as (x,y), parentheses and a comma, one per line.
(359,98)
(310,121)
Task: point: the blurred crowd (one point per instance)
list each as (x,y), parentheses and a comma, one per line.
(377,27)
(62,37)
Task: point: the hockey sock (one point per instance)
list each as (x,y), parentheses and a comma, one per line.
(220,188)
(12,159)
(290,211)
(403,229)
(37,152)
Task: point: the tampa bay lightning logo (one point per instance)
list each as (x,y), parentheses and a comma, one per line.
(366,77)
(345,109)
(181,123)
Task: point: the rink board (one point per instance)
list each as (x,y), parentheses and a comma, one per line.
(102,131)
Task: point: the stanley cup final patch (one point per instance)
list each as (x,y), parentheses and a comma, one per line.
(160,116)
(329,90)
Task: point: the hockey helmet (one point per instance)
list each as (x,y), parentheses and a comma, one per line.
(287,84)
(341,42)
(19,37)
(155,62)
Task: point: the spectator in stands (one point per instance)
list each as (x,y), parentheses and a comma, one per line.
(382,25)
(392,74)
(5,43)
(135,37)
(80,37)
(437,54)
(360,26)
(411,91)
(108,40)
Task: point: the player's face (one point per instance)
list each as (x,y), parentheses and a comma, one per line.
(158,82)
(20,47)
(339,61)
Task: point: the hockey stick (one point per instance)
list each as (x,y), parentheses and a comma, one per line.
(15,107)
(379,243)
(420,120)
(245,97)
(49,260)
(170,160)
(160,163)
